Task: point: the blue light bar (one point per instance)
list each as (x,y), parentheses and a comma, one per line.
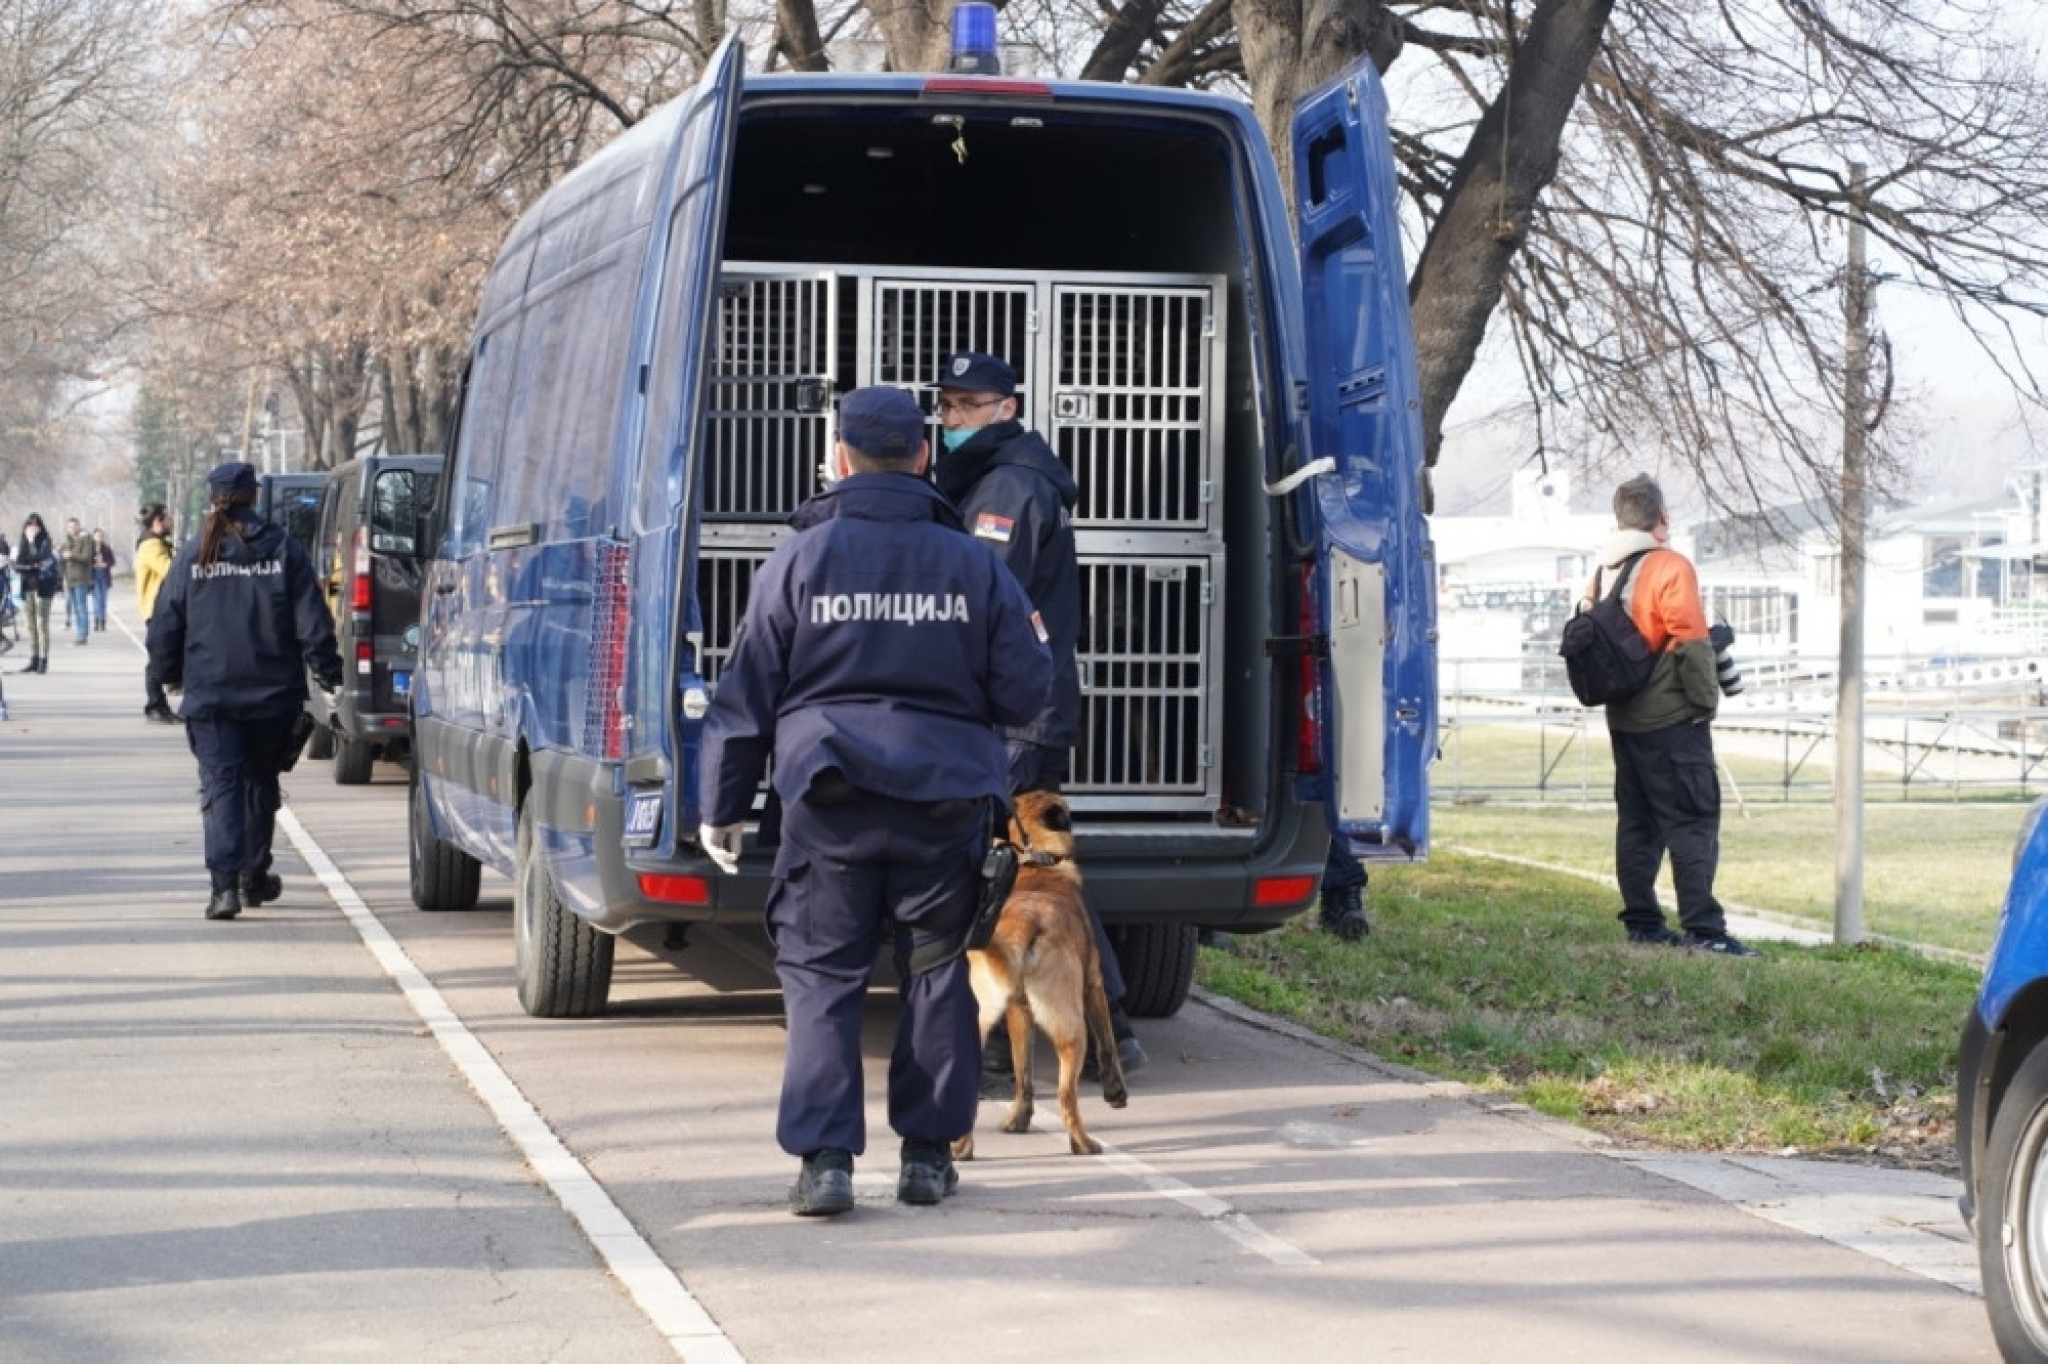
(974,41)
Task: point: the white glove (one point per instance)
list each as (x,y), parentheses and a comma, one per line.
(722,845)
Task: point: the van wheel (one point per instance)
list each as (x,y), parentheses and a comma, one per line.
(563,965)
(320,744)
(352,761)
(1158,962)
(443,877)
(2012,1214)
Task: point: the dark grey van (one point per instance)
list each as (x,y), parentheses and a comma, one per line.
(650,394)
(368,563)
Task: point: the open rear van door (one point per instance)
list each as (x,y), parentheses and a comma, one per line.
(682,336)
(1374,590)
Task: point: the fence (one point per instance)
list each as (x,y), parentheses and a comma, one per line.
(1980,732)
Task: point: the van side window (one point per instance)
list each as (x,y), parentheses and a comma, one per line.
(558,435)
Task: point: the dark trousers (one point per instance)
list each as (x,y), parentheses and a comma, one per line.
(845,876)
(238,795)
(1035,767)
(1667,798)
(1342,871)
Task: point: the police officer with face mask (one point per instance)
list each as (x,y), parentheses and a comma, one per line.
(1018,499)
(238,622)
(881,647)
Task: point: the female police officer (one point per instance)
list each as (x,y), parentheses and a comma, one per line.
(880,649)
(238,622)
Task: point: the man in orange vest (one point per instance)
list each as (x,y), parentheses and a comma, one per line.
(1667,789)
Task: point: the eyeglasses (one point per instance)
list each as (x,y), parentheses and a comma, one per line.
(957,407)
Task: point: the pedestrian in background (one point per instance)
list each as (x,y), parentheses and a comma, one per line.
(880,649)
(238,623)
(103,563)
(76,553)
(36,567)
(1018,499)
(1667,788)
(153,554)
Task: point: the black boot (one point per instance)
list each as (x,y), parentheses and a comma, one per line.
(34,664)
(1343,914)
(43,664)
(261,888)
(225,904)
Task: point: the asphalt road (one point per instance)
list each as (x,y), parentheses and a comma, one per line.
(327,1130)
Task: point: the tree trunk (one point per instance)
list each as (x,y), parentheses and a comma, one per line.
(797,37)
(1457,283)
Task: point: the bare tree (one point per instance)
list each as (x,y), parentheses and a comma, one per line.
(1645,194)
(73,79)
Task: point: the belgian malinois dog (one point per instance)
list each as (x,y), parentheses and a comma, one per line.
(1041,967)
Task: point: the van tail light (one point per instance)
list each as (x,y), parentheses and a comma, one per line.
(1308,756)
(366,656)
(604,706)
(359,579)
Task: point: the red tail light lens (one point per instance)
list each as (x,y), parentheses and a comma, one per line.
(1283,890)
(675,890)
(359,583)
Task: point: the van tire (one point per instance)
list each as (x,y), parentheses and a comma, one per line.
(352,761)
(1158,962)
(443,876)
(320,744)
(563,965)
(2010,1213)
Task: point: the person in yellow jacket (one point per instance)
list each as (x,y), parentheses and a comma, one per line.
(153,555)
(1667,788)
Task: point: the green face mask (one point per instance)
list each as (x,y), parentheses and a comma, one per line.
(953,437)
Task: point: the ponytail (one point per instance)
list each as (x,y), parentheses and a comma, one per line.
(220,522)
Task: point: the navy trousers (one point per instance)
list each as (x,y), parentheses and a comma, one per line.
(849,877)
(238,795)
(1667,798)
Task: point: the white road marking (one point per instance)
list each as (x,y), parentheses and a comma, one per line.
(672,1309)
(1210,1209)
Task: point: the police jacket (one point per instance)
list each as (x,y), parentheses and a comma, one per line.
(1018,499)
(239,634)
(1663,599)
(880,641)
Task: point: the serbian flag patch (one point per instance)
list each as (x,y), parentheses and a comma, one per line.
(989,526)
(1038,624)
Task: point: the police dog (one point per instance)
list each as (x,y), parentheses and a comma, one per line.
(1041,967)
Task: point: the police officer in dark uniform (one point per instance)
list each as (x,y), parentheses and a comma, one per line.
(880,649)
(1018,499)
(238,622)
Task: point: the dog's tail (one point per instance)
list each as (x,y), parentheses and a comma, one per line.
(1108,1059)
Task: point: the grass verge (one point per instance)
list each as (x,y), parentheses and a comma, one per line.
(1519,983)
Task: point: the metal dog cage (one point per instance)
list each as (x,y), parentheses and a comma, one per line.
(1120,373)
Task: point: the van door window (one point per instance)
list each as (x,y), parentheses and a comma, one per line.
(570,372)
(396,501)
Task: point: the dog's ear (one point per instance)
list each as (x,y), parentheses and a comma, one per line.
(1058,817)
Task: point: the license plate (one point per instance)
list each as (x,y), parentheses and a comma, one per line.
(401,683)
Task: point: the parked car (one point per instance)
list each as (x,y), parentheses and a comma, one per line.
(367,559)
(649,394)
(292,501)
(2002,1106)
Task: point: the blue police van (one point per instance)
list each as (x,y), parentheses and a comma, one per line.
(649,395)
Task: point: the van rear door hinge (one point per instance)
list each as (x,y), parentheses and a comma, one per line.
(1298,646)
